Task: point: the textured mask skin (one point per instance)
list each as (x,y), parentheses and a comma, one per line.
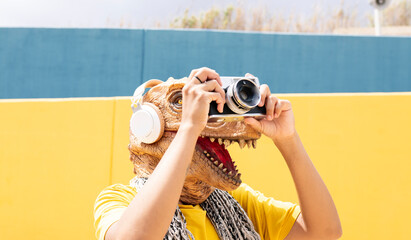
(204,175)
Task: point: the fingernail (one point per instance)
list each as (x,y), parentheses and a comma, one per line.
(270,117)
(276,115)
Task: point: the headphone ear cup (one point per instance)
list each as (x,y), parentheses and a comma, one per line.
(147,123)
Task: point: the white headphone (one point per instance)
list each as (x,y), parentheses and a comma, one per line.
(147,122)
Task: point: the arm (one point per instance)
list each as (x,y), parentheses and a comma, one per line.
(150,212)
(319,218)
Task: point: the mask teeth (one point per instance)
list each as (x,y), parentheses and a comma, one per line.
(254,143)
(233,176)
(226,142)
(220,166)
(242,143)
(234,182)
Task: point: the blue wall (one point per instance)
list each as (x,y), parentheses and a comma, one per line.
(44,63)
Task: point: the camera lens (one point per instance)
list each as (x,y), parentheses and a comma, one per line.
(242,96)
(247,92)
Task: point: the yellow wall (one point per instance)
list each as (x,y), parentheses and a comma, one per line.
(56,155)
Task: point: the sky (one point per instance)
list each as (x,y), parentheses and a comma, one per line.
(142,13)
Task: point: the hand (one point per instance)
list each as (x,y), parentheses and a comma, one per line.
(279,121)
(197,96)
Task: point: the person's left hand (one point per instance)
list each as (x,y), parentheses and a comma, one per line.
(279,121)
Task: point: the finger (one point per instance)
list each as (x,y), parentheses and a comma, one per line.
(196,77)
(254,123)
(214,96)
(193,79)
(193,72)
(208,74)
(278,110)
(282,105)
(269,106)
(218,79)
(199,81)
(265,92)
(213,86)
(249,75)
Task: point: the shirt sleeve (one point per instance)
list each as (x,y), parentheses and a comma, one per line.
(110,205)
(272,219)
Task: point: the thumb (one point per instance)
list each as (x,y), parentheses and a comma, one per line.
(254,123)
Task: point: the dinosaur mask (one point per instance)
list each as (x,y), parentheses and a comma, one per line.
(211,166)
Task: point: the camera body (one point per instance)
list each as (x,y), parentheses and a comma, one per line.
(242,97)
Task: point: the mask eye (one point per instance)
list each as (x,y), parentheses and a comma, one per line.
(176,100)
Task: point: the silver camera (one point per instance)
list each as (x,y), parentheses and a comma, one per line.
(242,97)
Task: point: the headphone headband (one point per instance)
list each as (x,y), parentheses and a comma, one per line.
(139,92)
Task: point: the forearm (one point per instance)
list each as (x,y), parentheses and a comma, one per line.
(149,214)
(317,206)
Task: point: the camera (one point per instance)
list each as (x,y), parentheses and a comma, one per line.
(242,97)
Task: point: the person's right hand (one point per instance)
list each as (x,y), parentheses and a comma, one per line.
(202,87)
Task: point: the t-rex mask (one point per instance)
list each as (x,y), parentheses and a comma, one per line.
(211,166)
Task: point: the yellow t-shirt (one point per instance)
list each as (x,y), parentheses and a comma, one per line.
(272,219)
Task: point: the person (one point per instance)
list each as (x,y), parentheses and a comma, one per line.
(149,212)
